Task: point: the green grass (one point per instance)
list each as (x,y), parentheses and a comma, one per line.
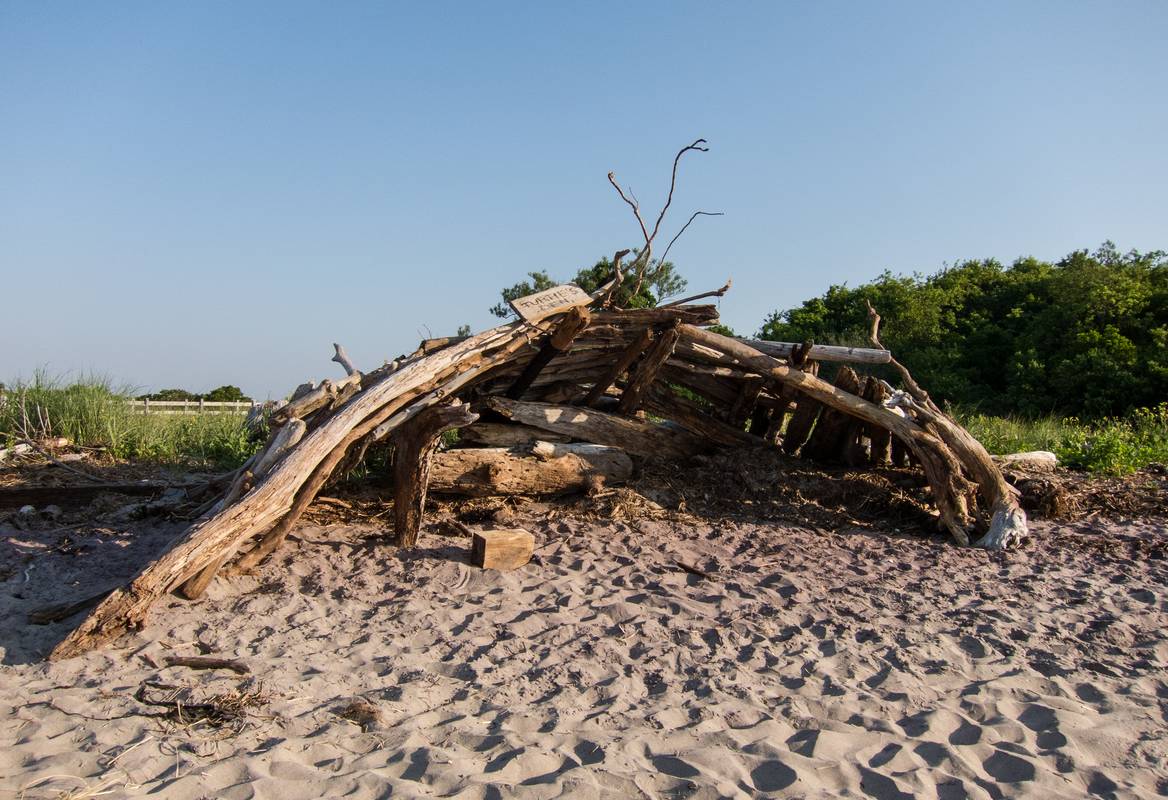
(93,412)
(1112,446)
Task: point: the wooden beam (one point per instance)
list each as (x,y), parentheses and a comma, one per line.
(821,352)
(827,440)
(631,353)
(646,372)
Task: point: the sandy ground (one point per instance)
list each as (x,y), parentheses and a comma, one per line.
(812,664)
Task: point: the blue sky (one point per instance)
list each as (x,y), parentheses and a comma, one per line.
(205,193)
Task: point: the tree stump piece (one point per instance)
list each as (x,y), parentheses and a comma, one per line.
(502,549)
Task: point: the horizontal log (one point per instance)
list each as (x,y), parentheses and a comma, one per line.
(822,352)
(544,469)
(72,495)
(690,315)
(635,436)
(498,434)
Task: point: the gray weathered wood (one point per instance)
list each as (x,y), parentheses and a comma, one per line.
(635,436)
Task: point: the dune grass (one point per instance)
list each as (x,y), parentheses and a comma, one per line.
(1111,446)
(93,412)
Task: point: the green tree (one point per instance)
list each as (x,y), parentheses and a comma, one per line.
(170,394)
(661,281)
(1085,335)
(226,394)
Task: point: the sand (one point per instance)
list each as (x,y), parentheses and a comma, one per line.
(811,664)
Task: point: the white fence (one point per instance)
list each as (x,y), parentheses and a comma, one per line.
(191,406)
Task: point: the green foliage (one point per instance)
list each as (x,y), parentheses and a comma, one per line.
(169,394)
(1115,446)
(661,281)
(1087,335)
(223,394)
(725,330)
(463,330)
(94,413)
(226,394)
(539,281)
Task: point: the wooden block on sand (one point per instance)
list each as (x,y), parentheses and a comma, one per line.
(502,549)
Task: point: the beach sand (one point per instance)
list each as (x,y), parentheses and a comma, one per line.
(809,664)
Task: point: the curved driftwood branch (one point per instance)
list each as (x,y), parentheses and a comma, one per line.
(343,359)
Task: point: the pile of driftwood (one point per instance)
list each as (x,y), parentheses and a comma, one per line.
(566,397)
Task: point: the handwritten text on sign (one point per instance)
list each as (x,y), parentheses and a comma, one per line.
(536,306)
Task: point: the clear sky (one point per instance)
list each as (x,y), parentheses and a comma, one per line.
(194,194)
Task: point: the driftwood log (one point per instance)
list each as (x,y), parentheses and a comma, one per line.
(542,469)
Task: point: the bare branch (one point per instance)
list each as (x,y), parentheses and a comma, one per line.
(645,257)
(697,145)
(343,359)
(695,215)
(634,206)
(607,290)
(913,387)
(715,293)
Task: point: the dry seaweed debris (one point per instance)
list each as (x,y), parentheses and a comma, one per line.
(362,712)
(227,712)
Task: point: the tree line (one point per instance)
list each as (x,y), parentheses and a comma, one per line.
(1086,335)
(222,394)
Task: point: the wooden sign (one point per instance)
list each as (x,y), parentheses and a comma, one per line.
(535,307)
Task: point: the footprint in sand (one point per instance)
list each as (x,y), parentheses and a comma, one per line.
(675,767)
(772,776)
(1005,767)
(966,734)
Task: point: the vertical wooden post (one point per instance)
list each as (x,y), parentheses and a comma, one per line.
(413,445)
(646,373)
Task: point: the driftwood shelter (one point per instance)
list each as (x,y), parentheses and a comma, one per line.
(565,397)
(569,388)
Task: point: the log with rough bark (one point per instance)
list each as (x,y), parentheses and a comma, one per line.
(543,469)
(413,446)
(821,352)
(879,453)
(499,434)
(634,436)
(664,402)
(802,420)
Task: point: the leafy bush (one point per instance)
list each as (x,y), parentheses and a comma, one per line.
(1086,336)
(661,281)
